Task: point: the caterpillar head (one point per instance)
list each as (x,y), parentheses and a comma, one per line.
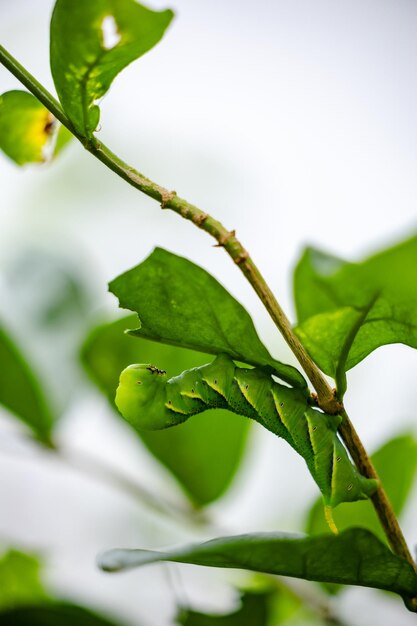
(140,396)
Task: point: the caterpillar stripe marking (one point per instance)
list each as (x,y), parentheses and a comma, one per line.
(158,402)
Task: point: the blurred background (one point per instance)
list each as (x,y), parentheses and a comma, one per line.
(292,122)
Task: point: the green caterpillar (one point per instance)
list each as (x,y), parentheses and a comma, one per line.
(149,400)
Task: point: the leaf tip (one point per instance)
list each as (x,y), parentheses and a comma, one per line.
(109,561)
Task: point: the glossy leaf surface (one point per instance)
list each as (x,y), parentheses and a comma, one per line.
(92,42)
(354,557)
(347,310)
(181,304)
(203,454)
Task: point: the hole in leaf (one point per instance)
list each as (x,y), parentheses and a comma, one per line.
(111,35)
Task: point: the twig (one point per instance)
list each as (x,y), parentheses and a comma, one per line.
(310,598)
(168,199)
(96,469)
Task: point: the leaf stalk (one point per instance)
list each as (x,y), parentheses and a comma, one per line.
(168,199)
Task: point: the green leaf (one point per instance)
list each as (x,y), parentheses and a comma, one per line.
(396,464)
(24,601)
(20,391)
(20,582)
(347,310)
(63,138)
(27,128)
(91,42)
(355,557)
(181,304)
(254,611)
(203,454)
(61,614)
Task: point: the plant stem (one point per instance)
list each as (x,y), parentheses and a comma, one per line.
(379,499)
(34,87)
(168,199)
(226,239)
(97,469)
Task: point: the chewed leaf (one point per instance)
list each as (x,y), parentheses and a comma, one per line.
(91,42)
(25,127)
(355,557)
(181,304)
(204,454)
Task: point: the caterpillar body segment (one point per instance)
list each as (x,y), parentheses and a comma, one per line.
(149,400)
(139,397)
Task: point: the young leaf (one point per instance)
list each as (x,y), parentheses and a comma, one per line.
(92,42)
(181,304)
(355,557)
(347,310)
(26,127)
(396,464)
(203,454)
(254,611)
(20,580)
(20,391)
(53,614)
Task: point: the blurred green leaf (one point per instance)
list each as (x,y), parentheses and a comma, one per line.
(354,557)
(59,614)
(20,391)
(396,464)
(53,297)
(91,42)
(264,604)
(63,138)
(24,601)
(48,289)
(347,310)
(291,609)
(181,304)
(203,454)
(20,582)
(26,127)
(254,611)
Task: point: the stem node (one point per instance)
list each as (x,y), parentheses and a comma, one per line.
(200,218)
(166,196)
(227,239)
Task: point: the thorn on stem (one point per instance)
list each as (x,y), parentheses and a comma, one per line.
(223,239)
